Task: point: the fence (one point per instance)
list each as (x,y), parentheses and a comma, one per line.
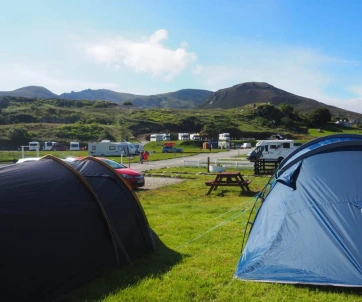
(225,162)
(262,166)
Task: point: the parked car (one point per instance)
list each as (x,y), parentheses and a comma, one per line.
(58,147)
(171,149)
(134,178)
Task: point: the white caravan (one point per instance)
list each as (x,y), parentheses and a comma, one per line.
(183,136)
(74,146)
(271,150)
(195,136)
(48,145)
(224,136)
(108,148)
(34,146)
(160,137)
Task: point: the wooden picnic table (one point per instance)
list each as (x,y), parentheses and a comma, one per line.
(228,179)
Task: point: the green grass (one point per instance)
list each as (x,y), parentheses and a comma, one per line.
(332,128)
(198,248)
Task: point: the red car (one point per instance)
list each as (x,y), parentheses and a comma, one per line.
(133,177)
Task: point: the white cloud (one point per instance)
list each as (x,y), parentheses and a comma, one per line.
(145,56)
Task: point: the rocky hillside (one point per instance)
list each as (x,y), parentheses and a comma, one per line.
(182,99)
(232,97)
(255,92)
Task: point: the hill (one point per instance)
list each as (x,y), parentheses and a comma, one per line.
(182,99)
(233,97)
(31,92)
(258,92)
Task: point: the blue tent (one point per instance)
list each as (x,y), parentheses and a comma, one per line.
(308,229)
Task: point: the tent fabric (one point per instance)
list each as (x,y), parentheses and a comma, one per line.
(307,230)
(63,224)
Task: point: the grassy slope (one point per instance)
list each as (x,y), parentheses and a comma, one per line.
(197,252)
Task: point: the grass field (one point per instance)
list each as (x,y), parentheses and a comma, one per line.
(197,250)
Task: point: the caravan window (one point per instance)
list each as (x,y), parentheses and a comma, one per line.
(273,147)
(286,145)
(112,148)
(94,148)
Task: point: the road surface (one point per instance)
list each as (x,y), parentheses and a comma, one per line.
(179,161)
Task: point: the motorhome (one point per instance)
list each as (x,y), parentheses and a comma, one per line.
(195,136)
(74,146)
(271,150)
(183,136)
(34,146)
(108,148)
(156,137)
(224,136)
(48,145)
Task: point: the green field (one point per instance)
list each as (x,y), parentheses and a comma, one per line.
(197,250)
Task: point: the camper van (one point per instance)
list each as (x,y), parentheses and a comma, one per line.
(33,146)
(224,136)
(156,137)
(195,137)
(48,145)
(183,136)
(271,150)
(160,137)
(74,146)
(108,148)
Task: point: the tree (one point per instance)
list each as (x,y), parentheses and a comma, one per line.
(319,117)
(269,112)
(286,109)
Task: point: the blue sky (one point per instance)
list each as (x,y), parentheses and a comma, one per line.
(309,48)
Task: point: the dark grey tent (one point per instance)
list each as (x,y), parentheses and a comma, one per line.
(62,224)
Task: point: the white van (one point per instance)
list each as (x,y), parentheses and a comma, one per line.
(246,146)
(74,146)
(274,150)
(224,136)
(33,146)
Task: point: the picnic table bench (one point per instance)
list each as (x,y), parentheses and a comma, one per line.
(228,179)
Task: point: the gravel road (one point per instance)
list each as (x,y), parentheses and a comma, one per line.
(179,161)
(157,182)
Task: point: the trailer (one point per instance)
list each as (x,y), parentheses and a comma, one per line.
(160,137)
(108,148)
(34,146)
(184,136)
(74,146)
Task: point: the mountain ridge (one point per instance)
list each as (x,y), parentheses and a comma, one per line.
(236,96)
